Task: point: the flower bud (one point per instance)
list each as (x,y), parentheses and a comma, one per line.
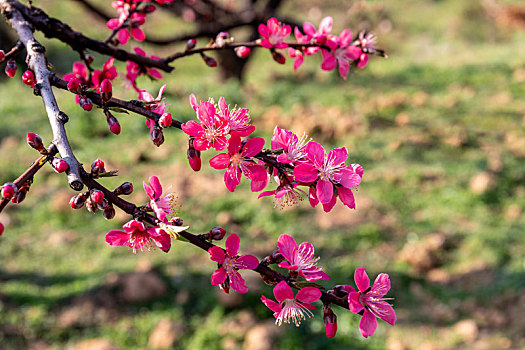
(176,221)
(74,84)
(194,158)
(242,51)
(28,78)
(85,103)
(278,57)
(1,225)
(125,189)
(19,196)
(97,196)
(97,167)
(78,201)
(10,68)
(105,204)
(106,90)
(216,233)
(149,9)
(191,44)
(113,123)
(109,213)
(221,39)
(8,190)
(2,55)
(165,120)
(89,58)
(275,257)
(210,61)
(330,321)
(157,136)
(340,290)
(90,206)
(59,165)
(34,141)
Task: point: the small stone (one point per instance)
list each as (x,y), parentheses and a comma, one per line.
(482,182)
(95,344)
(261,337)
(467,330)
(165,334)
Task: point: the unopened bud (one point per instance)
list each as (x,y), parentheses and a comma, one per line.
(221,39)
(28,78)
(165,120)
(90,206)
(109,213)
(191,44)
(89,58)
(74,84)
(78,201)
(97,167)
(1,225)
(59,165)
(19,196)
(216,233)
(34,141)
(210,61)
(10,68)
(2,55)
(149,9)
(85,103)
(340,290)
(176,221)
(97,196)
(8,190)
(113,123)
(242,51)
(330,321)
(194,158)
(157,136)
(105,204)
(125,189)
(106,90)
(275,257)
(278,57)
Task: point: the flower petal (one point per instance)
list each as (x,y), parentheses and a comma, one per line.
(249,262)
(316,153)
(156,186)
(237,282)
(117,238)
(252,147)
(308,294)
(232,244)
(217,254)
(368,324)
(325,191)
(381,285)
(346,196)
(305,172)
(272,305)
(220,161)
(287,247)
(361,279)
(218,276)
(353,302)
(282,291)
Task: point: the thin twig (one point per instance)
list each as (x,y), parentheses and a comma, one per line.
(15,50)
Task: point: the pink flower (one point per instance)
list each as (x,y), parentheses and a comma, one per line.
(137,236)
(108,72)
(213,130)
(293,147)
(237,161)
(371,300)
(288,309)
(274,33)
(79,72)
(165,206)
(230,262)
(133,70)
(320,36)
(285,195)
(300,258)
(137,19)
(238,119)
(341,53)
(328,171)
(153,104)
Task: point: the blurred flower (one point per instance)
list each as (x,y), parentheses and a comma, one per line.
(137,236)
(274,33)
(165,206)
(213,130)
(300,258)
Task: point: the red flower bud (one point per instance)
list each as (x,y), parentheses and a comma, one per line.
(2,55)
(278,57)
(242,51)
(191,44)
(34,141)
(165,120)
(125,189)
(149,9)
(20,195)
(10,68)
(275,257)
(157,136)
(97,167)
(78,201)
(113,123)
(1,225)
(105,204)
(106,90)
(59,165)
(74,84)
(176,221)
(85,103)
(109,213)
(210,61)
(97,196)
(8,190)
(194,158)
(330,322)
(217,233)
(90,206)
(28,78)
(89,58)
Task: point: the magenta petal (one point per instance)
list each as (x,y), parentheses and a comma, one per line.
(237,282)
(232,244)
(162,241)
(149,191)
(353,53)
(344,68)
(259,180)
(133,226)
(368,324)
(272,305)
(218,276)
(305,172)
(249,262)
(347,178)
(193,128)
(346,196)
(312,197)
(346,37)
(353,302)
(217,254)
(206,112)
(326,25)
(193,102)
(327,207)
(361,279)
(232,177)
(220,161)
(316,153)
(123,36)
(287,247)
(363,60)
(385,311)
(309,28)
(117,238)
(329,62)
(381,285)
(338,155)
(282,291)
(325,191)
(234,144)
(308,294)
(252,147)
(263,30)
(156,186)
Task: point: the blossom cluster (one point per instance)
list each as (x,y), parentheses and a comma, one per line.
(291,161)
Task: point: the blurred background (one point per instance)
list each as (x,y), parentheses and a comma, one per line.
(439,128)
